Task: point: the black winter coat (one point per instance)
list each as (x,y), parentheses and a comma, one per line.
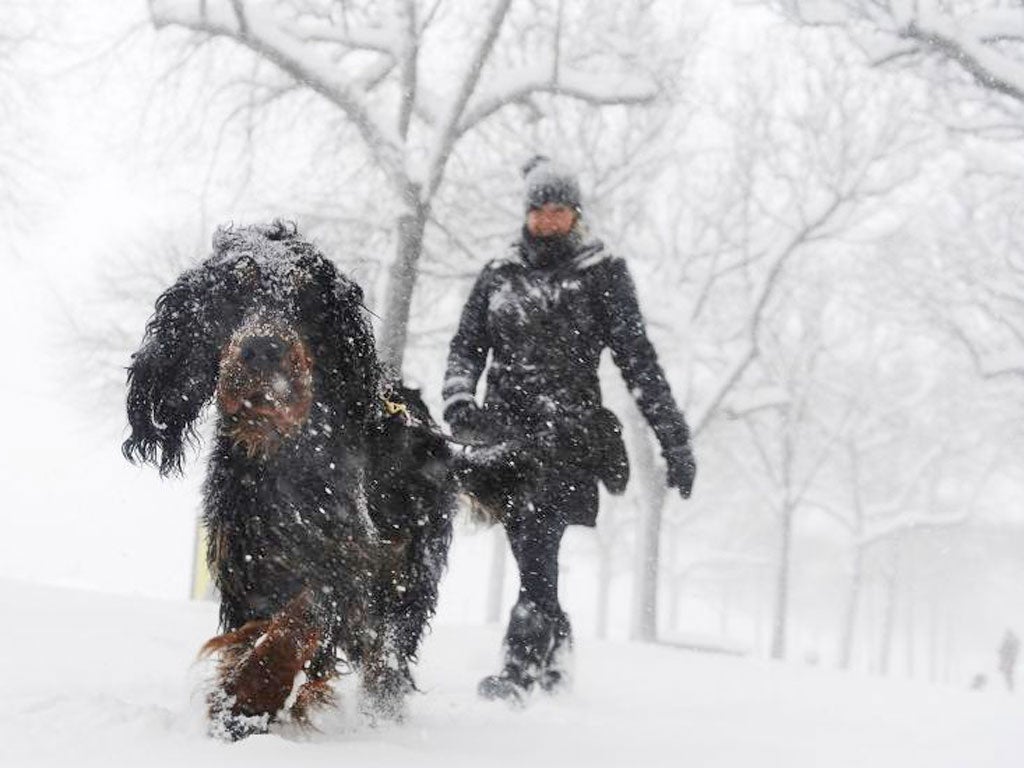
(545,327)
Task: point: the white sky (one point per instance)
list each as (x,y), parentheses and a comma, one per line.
(74,511)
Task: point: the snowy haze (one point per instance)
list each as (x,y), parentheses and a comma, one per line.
(843,238)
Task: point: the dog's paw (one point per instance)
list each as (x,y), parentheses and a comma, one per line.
(384,695)
(227,724)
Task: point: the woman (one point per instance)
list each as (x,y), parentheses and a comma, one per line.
(545,311)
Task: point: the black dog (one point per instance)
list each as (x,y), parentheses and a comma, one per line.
(329,494)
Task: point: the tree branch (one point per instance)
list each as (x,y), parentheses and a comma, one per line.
(967,39)
(408,58)
(264,37)
(987,67)
(448,132)
(363,40)
(911,521)
(762,294)
(985,368)
(590,89)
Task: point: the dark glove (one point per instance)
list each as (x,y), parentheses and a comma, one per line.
(682,468)
(464,417)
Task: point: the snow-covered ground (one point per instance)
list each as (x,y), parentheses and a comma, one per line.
(88,678)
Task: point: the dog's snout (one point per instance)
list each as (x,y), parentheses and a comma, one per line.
(262,353)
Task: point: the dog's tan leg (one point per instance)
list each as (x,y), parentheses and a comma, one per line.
(258,667)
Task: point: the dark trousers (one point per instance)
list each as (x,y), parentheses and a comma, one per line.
(538,628)
(535,541)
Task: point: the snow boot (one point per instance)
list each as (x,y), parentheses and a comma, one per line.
(535,645)
(508,685)
(554,675)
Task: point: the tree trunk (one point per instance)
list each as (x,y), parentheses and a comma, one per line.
(402,278)
(933,641)
(725,609)
(670,559)
(849,627)
(648,555)
(910,620)
(760,601)
(949,648)
(674,594)
(496,580)
(604,588)
(889,611)
(782,586)
(908,605)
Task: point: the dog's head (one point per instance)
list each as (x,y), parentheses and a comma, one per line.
(269,328)
(265,384)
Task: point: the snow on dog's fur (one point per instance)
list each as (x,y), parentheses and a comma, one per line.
(328,509)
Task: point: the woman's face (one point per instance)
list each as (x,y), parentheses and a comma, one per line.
(550,219)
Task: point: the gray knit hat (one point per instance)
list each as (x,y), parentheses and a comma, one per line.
(550,182)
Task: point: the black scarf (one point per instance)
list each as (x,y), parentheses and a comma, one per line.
(549,251)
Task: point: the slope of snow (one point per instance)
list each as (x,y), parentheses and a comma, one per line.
(94,679)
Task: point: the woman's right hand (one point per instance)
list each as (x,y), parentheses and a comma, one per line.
(464,418)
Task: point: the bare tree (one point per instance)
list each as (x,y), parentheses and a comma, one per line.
(975,294)
(884,521)
(914,448)
(20,29)
(794,448)
(796,175)
(972,53)
(984,40)
(390,71)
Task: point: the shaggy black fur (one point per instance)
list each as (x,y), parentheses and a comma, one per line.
(328,507)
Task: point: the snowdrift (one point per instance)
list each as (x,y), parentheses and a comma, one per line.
(95,679)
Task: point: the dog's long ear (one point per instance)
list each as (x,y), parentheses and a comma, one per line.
(172,375)
(346,344)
